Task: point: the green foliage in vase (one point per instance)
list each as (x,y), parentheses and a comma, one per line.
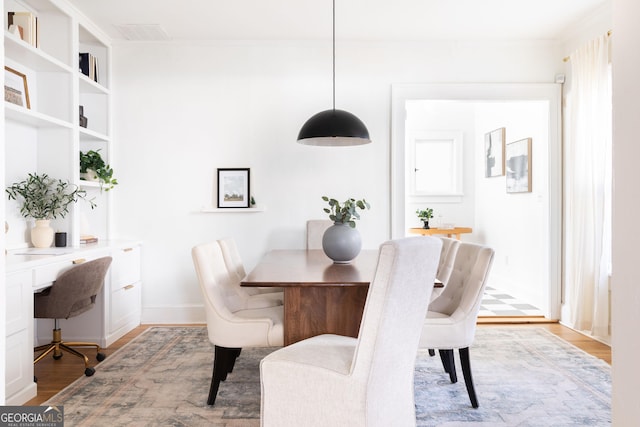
(44,197)
(346,212)
(93,160)
(425,214)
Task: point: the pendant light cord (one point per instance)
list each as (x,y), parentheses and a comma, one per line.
(334,55)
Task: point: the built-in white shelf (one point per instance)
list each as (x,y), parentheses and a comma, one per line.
(212,209)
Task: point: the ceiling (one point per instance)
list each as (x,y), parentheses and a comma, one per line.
(392,20)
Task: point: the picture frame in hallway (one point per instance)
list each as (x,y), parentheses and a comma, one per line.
(494,152)
(233,188)
(16,89)
(518,166)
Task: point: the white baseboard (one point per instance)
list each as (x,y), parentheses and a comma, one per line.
(173,314)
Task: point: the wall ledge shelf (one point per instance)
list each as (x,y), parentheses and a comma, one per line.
(213,209)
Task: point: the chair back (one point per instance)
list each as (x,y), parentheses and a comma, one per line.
(315,231)
(226,324)
(393,316)
(232,257)
(73,292)
(462,296)
(447,258)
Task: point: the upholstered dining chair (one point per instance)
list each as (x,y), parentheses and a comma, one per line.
(315,231)
(230,325)
(233,261)
(72,293)
(332,380)
(451,319)
(445,266)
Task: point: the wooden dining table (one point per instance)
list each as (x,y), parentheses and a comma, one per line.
(320,297)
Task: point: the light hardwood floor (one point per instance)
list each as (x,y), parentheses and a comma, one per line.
(54,375)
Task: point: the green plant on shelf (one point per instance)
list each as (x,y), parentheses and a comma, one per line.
(94,168)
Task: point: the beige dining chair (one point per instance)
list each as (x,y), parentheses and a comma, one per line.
(333,380)
(235,266)
(445,266)
(230,326)
(315,231)
(450,322)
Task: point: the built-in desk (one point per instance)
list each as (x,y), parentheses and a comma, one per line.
(117,310)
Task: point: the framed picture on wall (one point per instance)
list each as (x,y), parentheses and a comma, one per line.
(233,188)
(16,90)
(494,152)
(518,165)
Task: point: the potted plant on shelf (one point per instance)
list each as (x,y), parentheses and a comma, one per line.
(43,199)
(425,215)
(341,242)
(94,168)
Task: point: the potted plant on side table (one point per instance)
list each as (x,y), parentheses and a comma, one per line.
(341,242)
(425,215)
(94,168)
(43,199)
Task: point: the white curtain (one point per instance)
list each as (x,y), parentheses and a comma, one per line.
(587,165)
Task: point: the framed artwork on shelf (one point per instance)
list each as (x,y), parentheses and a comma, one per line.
(494,152)
(518,165)
(16,90)
(233,188)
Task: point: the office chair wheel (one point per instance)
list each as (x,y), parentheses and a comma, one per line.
(89,372)
(100,357)
(57,356)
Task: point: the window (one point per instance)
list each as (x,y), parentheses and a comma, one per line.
(434,163)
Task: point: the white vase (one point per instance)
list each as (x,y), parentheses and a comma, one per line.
(89,175)
(341,243)
(42,234)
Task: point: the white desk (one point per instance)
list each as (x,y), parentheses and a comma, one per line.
(117,310)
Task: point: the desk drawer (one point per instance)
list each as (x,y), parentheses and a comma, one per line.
(125,304)
(47,274)
(125,269)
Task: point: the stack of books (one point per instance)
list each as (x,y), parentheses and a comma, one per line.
(88,238)
(89,65)
(25,25)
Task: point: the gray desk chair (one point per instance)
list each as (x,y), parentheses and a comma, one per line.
(73,293)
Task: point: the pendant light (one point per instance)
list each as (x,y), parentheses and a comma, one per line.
(335,128)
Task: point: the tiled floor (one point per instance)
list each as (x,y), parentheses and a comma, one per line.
(498,303)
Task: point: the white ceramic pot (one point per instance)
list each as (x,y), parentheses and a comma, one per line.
(341,243)
(42,234)
(89,175)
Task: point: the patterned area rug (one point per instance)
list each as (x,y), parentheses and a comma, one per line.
(523,377)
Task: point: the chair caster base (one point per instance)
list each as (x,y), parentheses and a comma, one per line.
(100,357)
(89,371)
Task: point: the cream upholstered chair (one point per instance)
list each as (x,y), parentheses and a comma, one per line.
(445,266)
(451,319)
(315,231)
(72,293)
(332,380)
(230,325)
(234,264)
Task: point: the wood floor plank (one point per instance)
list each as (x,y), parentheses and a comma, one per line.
(54,375)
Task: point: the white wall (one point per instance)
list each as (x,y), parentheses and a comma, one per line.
(626,197)
(181,111)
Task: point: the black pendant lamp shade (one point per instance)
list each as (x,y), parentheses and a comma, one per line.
(334,128)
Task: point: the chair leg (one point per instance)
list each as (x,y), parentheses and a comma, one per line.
(468,379)
(223,361)
(448,363)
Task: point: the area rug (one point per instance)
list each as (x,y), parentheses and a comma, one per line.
(523,377)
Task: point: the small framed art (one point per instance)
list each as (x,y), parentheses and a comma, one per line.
(518,164)
(16,90)
(233,188)
(494,152)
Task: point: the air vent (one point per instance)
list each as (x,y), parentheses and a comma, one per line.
(143,32)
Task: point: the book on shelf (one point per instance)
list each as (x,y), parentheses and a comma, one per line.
(88,65)
(87,238)
(26,24)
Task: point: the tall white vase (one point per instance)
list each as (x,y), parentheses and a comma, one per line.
(341,243)
(42,234)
